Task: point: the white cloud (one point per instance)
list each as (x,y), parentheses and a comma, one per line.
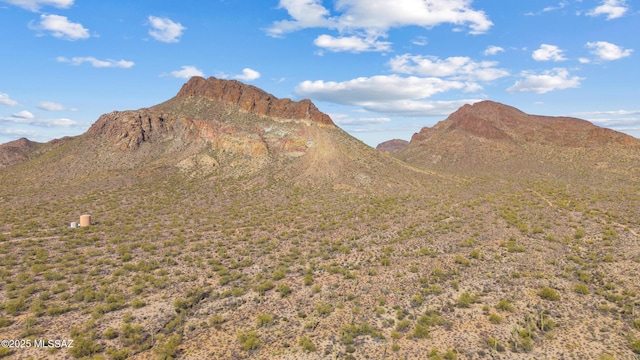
(420,41)
(560,5)
(493,50)
(381,15)
(52,106)
(351,43)
(61,27)
(457,67)
(108,63)
(26,120)
(417,107)
(24,114)
(187,72)
(608,51)
(6,100)
(305,14)
(376,17)
(381,88)
(165,30)
(343,119)
(247,75)
(611,8)
(35,5)
(548,52)
(549,80)
(608,113)
(584,60)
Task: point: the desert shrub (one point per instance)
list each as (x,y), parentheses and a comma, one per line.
(264,320)
(403,325)
(264,287)
(306,344)
(459,259)
(324,309)
(495,319)
(4,322)
(495,344)
(84,347)
(168,349)
(548,293)
(465,300)
(431,319)
(110,333)
(505,305)
(349,332)
(308,279)
(284,290)
(581,289)
(417,300)
(279,274)
(249,340)
(420,331)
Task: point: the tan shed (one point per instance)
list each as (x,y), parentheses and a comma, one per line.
(85,220)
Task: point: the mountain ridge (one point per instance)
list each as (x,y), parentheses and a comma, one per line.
(495,121)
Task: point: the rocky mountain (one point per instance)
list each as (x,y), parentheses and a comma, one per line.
(18,151)
(218,127)
(229,224)
(489,136)
(393,145)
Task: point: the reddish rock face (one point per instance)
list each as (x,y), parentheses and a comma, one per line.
(252,99)
(392,145)
(15,151)
(494,121)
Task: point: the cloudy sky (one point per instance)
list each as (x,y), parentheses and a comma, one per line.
(382,69)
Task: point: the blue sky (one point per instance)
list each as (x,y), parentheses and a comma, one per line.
(381,69)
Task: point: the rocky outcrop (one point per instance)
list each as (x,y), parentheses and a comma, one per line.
(251,99)
(392,146)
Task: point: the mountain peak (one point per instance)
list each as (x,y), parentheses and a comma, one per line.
(490,120)
(252,99)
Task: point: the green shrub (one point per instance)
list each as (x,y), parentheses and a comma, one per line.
(284,290)
(581,289)
(110,333)
(324,309)
(168,349)
(403,325)
(548,293)
(505,305)
(264,287)
(465,300)
(306,344)
(137,303)
(495,319)
(249,340)
(264,319)
(83,347)
(420,331)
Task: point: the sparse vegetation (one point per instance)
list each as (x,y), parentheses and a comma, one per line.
(274,264)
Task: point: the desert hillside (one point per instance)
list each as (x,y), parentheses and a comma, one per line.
(229,224)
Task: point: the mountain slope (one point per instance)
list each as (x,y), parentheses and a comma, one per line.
(488,137)
(220,128)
